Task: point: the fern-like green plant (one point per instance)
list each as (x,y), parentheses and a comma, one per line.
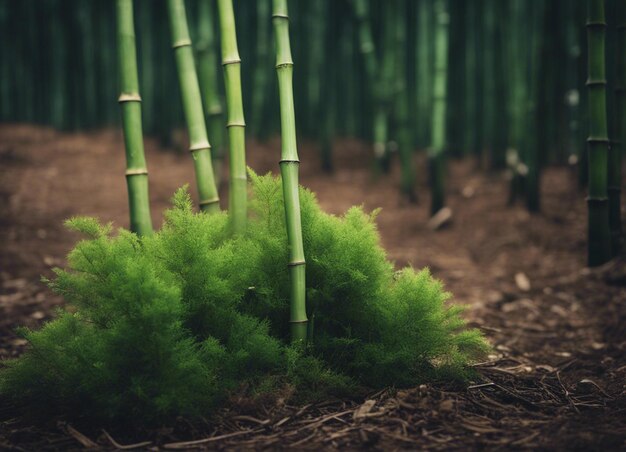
(170,324)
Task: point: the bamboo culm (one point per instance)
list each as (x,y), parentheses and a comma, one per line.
(599,238)
(289,165)
(207,73)
(199,145)
(238,201)
(530,170)
(437,163)
(374,79)
(396,27)
(260,76)
(130,101)
(617,142)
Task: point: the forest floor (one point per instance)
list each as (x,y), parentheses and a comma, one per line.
(557,379)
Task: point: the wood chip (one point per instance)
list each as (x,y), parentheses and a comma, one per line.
(78,436)
(364,409)
(442,218)
(522,281)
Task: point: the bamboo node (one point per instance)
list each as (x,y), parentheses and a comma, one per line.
(597,140)
(181,43)
(199,146)
(235,124)
(285,64)
(231,61)
(206,202)
(296,263)
(129,97)
(595,24)
(594,82)
(289,161)
(597,200)
(299,321)
(280,16)
(136,172)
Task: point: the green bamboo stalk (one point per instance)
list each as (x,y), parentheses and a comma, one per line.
(236,123)
(374,81)
(136,170)
(58,72)
(439,107)
(207,63)
(469,71)
(518,96)
(488,65)
(5,72)
(572,96)
(530,154)
(289,164)
(199,145)
(148,53)
(349,113)
(316,30)
(583,160)
(423,70)
(396,26)
(479,77)
(617,143)
(599,237)
(327,112)
(260,75)
(89,103)
(500,128)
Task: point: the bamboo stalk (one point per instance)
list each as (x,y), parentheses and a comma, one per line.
(617,143)
(423,71)
(599,238)
(289,165)
(530,169)
(199,145)
(130,101)
(260,76)
(315,32)
(396,29)
(328,108)
(516,98)
(236,123)
(207,63)
(374,79)
(439,107)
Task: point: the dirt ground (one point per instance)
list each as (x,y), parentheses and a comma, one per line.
(557,379)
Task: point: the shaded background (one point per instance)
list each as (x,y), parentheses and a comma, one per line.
(58,66)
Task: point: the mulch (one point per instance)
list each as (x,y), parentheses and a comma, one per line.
(556,379)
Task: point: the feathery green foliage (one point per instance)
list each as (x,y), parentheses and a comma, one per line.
(170,324)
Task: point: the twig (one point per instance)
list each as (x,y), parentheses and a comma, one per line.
(78,436)
(186,444)
(125,447)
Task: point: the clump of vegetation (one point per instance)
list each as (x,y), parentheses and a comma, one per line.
(170,324)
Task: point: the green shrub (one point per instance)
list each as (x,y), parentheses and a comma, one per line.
(171,324)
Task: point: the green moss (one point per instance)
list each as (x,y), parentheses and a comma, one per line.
(170,324)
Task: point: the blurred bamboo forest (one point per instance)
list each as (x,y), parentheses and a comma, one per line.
(516,71)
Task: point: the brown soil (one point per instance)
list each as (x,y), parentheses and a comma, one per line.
(558,379)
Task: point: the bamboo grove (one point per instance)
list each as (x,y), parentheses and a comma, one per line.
(516,85)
